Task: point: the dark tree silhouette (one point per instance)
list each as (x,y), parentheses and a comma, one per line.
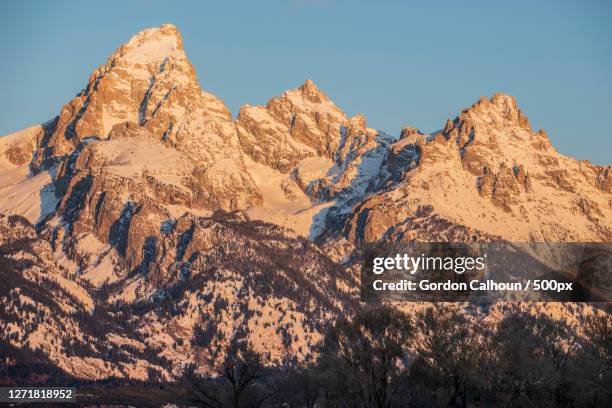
(360,359)
(239,382)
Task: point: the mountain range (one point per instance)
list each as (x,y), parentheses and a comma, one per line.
(144,227)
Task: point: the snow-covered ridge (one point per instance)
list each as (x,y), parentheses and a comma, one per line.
(153,45)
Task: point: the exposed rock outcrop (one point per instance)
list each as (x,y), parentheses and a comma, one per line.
(150,82)
(489,171)
(300,123)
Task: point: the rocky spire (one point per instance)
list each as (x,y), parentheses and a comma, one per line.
(490,171)
(137,82)
(150,83)
(311,92)
(501,110)
(304,115)
(408,131)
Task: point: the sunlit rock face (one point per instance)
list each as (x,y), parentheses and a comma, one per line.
(489,171)
(150,82)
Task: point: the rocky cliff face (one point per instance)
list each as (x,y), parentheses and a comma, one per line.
(306,151)
(199,282)
(299,124)
(150,82)
(489,171)
(159,228)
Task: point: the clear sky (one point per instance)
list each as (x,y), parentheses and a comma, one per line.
(398,62)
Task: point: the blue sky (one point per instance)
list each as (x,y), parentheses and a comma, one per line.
(398,62)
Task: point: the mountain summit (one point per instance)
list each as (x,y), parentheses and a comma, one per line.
(487,172)
(150,83)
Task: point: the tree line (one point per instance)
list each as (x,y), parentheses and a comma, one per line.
(441,356)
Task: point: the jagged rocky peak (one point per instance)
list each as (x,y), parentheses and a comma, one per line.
(501,112)
(409,131)
(148,81)
(266,140)
(301,123)
(137,83)
(358,138)
(148,87)
(496,143)
(313,119)
(501,109)
(494,132)
(494,139)
(490,172)
(311,92)
(309,98)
